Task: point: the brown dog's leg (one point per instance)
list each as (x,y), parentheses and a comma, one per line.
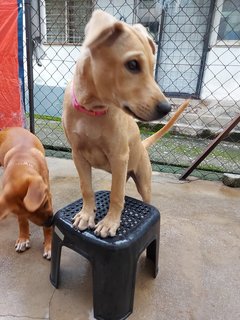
(23,241)
(47,232)
(109,225)
(85,218)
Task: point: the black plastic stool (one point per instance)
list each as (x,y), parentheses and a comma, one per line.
(114,260)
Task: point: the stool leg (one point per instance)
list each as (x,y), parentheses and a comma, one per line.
(113,286)
(55,259)
(153,253)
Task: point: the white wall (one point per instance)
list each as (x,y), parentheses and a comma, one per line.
(51,78)
(118,8)
(222,71)
(222,74)
(57,65)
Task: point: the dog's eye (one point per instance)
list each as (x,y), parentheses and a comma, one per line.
(133,66)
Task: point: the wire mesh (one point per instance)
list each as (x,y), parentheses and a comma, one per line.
(198,56)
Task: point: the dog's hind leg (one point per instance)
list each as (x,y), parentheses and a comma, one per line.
(142,178)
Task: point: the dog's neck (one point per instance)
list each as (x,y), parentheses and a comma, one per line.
(97,112)
(14,157)
(23,163)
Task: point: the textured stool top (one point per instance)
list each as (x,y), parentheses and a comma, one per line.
(135,212)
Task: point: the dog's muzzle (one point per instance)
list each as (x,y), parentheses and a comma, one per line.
(49,222)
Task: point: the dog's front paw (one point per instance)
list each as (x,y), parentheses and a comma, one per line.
(22,244)
(84,220)
(107,227)
(47,253)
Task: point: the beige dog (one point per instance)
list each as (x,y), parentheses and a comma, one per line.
(113,78)
(26,190)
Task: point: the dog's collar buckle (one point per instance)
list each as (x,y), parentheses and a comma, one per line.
(79,107)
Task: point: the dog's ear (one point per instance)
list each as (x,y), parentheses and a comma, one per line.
(143,31)
(100,27)
(36,194)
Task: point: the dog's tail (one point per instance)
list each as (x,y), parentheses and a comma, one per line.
(153,138)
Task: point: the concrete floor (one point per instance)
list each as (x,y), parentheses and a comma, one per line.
(199,257)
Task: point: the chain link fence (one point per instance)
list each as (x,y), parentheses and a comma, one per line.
(198,56)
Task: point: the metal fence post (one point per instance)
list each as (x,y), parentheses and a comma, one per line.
(29,50)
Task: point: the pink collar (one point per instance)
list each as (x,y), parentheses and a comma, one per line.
(81,108)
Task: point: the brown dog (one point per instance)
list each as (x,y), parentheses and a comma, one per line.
(113,78)
(26,191)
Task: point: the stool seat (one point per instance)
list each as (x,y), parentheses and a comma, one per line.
(113,259)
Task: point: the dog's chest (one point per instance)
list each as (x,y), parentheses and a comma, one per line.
(88,130)
(92,144)
(96,158)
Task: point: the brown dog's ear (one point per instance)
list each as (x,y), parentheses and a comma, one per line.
(142,30)
(100,27)
(35,195)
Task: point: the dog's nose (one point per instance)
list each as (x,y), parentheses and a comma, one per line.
(49,222)
(163,108)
